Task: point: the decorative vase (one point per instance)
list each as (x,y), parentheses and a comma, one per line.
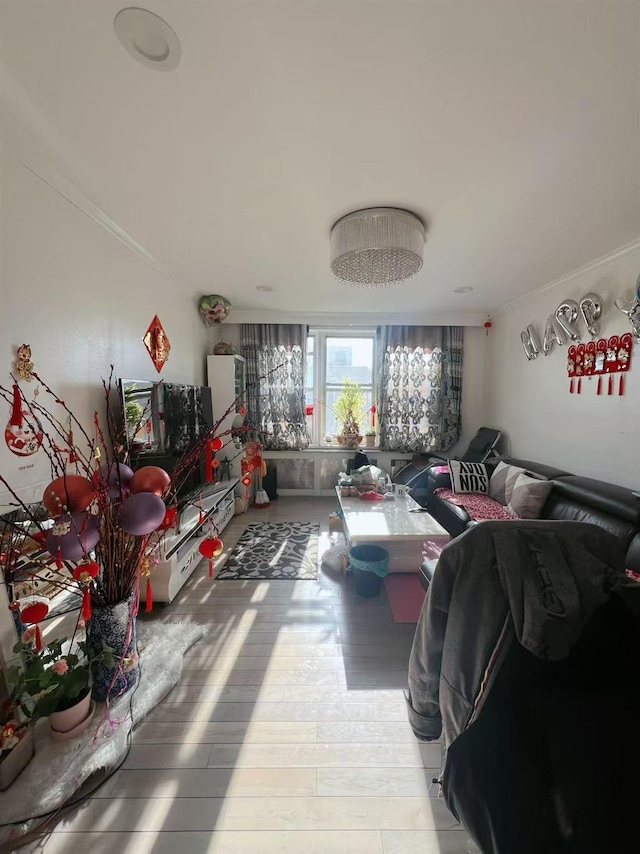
(70,718)
(351,439)
(16,760)
(114,625)
(369,441)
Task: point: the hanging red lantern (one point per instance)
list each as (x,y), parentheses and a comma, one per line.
(32,615)
(211,548)
(246,481)
(487,326)
(217,444)
(84,574)
(170,519)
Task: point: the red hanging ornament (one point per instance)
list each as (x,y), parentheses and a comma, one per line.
(59,558)
(373,415)
(210,548)
(599,388)
(217,444)
(246,481)
(621,385)
(610,389)
(201,517)
(86,605)
(487,326)
(32,615)
(149,607)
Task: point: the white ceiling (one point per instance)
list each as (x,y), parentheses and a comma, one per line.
(512,129)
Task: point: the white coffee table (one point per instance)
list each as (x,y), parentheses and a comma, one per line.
(390,524)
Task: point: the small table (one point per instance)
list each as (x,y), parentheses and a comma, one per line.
(390,524)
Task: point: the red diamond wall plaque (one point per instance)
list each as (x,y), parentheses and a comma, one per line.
(157,343)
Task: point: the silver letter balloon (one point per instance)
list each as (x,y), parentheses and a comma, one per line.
(591,311)
(530,342)
(553,334)
(567,315)
(632,309)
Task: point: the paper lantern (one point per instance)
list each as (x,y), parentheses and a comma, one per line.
(210,548)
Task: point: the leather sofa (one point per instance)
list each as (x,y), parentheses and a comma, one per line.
(576,498)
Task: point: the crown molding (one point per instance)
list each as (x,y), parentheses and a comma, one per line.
(597,264)
(36,147)
(358,319)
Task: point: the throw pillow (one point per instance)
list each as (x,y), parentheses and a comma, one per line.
(502,480)
(468,477)
(528,496)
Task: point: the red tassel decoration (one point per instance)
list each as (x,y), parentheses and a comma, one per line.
(149,597)
(571,386)
(86,605)
(59,558)
(599,389)
(210,567)
(580,385)
(610,385)
(201,519)
(373,414)
(39,644)
(621,385)
(208,462)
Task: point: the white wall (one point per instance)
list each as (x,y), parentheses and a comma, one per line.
(584,434)
(83,300)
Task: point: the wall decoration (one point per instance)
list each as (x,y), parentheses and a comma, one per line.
(24,365)
(156,341)
(214,309)
(600,358)
(22,436)
(553,334)
(530,342)
(632,309)
(591,311)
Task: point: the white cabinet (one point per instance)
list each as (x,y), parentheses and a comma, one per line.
(226,376)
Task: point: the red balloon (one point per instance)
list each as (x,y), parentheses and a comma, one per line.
(217,444)
(68,494)
(150,479)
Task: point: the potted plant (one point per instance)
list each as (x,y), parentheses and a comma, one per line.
(16,743)
(350,408)
(370,438)
(56,683)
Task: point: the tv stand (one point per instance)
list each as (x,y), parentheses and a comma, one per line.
(179,555)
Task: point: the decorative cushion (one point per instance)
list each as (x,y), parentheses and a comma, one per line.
(468,477)
(502,481)
(528,496)
(479,507)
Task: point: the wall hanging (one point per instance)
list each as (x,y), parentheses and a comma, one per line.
(22,435)
(214,309)
(601,358)
(562,325)
(157,343)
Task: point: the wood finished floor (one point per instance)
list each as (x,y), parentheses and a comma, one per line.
(287,732)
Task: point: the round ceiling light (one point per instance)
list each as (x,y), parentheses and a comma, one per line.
(264,289)
(376,247)
(465,290)
(147,38)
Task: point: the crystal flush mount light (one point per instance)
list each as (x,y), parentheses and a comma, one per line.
(377,247)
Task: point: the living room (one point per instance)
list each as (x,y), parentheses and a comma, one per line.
(131,190)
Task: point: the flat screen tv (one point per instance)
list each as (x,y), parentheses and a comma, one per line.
(162,421)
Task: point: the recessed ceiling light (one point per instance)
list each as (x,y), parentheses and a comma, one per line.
(147,38)
(264,289)
(463,290)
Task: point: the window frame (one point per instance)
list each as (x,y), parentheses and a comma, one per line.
(319,391)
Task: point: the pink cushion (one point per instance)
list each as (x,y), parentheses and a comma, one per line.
(479,507)
(441,469)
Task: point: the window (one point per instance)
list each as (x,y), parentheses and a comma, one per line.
(334,356)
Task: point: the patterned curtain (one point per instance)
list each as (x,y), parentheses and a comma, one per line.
(419,387)
(276,357)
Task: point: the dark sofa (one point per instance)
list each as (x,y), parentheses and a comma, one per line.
(575,498)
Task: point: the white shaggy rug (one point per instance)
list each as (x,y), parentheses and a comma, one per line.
(59,769)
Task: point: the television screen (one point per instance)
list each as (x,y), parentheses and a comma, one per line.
(164,420)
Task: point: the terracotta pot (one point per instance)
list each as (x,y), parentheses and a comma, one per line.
(70,718)
(16,760)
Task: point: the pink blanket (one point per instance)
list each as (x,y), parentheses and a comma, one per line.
(479,507)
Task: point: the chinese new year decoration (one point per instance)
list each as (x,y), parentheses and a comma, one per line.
(601,359)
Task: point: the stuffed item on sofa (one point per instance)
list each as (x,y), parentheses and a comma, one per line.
(528,496)
(502,481)
(468,477)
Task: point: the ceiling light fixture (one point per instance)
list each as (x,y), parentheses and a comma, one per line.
(147,38)
(376,247)
(465,290)
(264,289)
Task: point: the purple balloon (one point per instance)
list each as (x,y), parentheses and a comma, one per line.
(115,474)
(141,513)
(82,536)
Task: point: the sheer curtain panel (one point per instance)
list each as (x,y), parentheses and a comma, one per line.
(276,357)
(420,387)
